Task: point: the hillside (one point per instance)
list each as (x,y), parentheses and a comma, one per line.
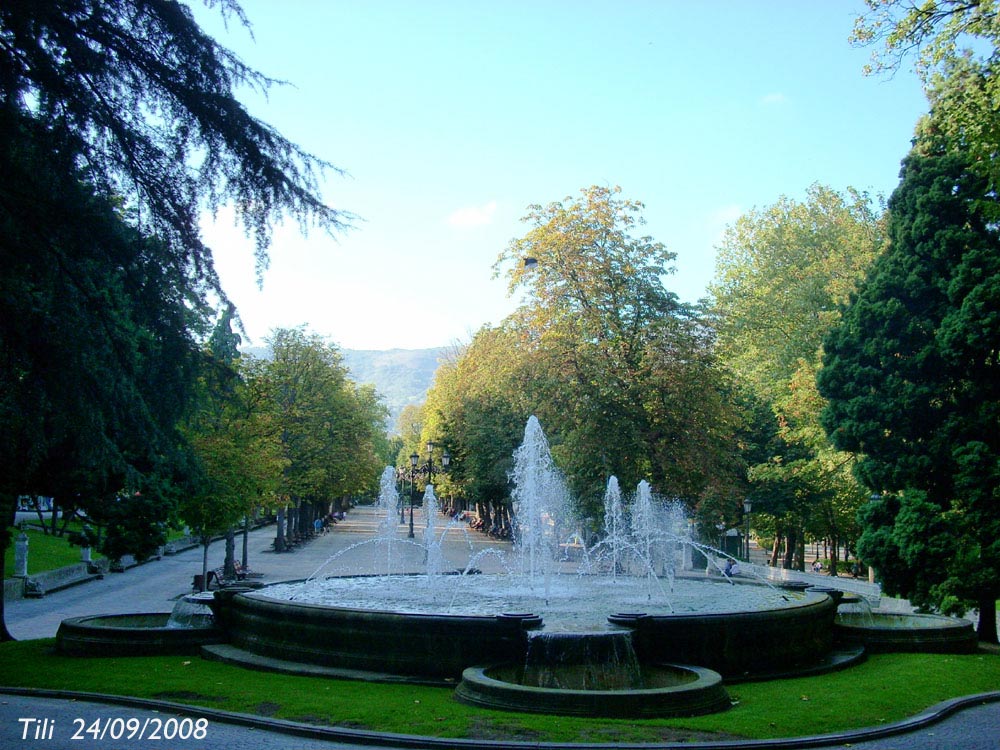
(401,376)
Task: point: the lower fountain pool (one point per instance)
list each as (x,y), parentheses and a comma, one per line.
(882,632)
(568,602)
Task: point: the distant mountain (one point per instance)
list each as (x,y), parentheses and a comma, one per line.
(400,376)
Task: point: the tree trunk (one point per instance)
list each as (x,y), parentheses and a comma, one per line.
(38,512)
(279,536)
(987,630)
(246,541)
(776,549)
(834,554)
(67,517)
(9,504)
(230,565)
(791,547)
(205,541)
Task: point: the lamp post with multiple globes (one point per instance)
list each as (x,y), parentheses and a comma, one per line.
(428,469)
(747,507)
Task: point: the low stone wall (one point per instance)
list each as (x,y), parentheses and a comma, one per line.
(738,644)
(62,578)
(48,581)
(417,645)
(145,634)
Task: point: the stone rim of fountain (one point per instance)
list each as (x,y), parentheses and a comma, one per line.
(887,632)
(703,694)
(139,634)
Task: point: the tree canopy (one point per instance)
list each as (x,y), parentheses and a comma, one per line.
(147,101)
(97,334)
(955,45)
(119,128)
(781,273)
(618,372)
(911,378)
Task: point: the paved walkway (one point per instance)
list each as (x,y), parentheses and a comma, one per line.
(155,586)
(158,584)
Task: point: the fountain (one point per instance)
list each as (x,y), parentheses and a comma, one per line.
(184,630)
(596,675)
(683,628)
(630,628)
(882,632)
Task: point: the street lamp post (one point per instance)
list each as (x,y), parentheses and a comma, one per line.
(413,472)
(747,507)
(429,469)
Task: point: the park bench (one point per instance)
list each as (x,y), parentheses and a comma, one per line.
(218,576)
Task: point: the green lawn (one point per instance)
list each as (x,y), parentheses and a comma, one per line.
(884,689)
(45,552)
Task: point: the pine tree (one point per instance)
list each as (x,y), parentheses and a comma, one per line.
(912,379)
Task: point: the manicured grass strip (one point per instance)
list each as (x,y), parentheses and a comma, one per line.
(884,689)
(45,552)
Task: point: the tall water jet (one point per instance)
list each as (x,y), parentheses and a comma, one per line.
(388,503)
(644,523)
(615,530)
(388,497)
(432,545)
(540,501)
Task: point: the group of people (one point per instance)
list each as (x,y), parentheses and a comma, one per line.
(321,525)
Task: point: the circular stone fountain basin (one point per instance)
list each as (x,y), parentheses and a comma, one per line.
(666,690)
(145,634)
(341,623)
(881,632)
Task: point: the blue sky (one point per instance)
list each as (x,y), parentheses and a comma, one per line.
(451,117)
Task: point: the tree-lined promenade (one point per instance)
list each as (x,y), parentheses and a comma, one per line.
(841,375)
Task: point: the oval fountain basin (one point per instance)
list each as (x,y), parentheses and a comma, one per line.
(882,632)
(665,690)
(463,622)
(146,634)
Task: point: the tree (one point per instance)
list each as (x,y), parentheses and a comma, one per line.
(782,273)
(147,100)
(621,376)
(956,46)
(97,347)
(911,378)
(118,127)
(232,433)
(328,427)
(591,298)
(477,408)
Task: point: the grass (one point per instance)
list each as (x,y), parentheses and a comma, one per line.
(884,689)
(45,552)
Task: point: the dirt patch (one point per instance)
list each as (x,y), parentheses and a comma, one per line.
(325,721)
(664,735)
(491,729)
(187,695)
(267,708)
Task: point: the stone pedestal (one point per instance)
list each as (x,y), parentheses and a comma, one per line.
(21,556)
